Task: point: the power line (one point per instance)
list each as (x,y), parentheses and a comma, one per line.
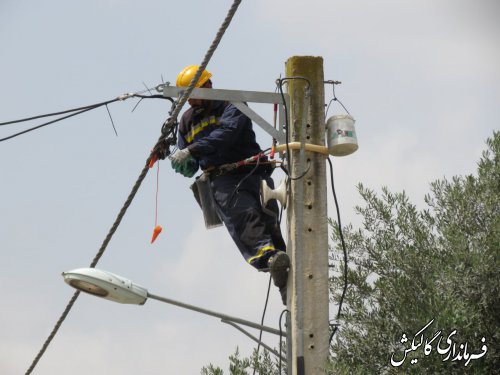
(341,234)
(262,323)
(91,106)
(143,173)
(46,123)
(73,112)
(281,335)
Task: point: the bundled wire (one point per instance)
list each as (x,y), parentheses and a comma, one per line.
(170,122)
(280,87)
(341,234)
(262,323)
(281,337)
(287,125)
(279,83)
(74,112)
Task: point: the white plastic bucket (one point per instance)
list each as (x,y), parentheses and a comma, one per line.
(341,135)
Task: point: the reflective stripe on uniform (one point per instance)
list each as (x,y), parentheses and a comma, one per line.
(198,128)
(261,252)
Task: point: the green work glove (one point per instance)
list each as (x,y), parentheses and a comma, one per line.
(183,163)
(191,168)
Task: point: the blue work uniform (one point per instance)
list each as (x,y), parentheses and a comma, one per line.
(217,133)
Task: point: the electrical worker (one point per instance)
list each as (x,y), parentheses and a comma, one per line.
(213,133)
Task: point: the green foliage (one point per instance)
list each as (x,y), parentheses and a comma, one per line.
(211,370)
(261,364)
(408,266)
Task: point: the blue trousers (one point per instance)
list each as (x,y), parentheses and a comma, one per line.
(255,231)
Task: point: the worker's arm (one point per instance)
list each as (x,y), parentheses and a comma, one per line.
(182,160)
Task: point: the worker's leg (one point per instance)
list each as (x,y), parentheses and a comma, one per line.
(252,230)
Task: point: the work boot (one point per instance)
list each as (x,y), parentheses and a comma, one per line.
(279,265)
(283,294)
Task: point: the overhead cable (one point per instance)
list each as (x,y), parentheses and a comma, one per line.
(262,323)
(281,336)
(91,106)
(341,234)
(46,123)
(143,173)
(74,112)
(279,83)
(201,68)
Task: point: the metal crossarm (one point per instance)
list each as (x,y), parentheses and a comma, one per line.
(239,99)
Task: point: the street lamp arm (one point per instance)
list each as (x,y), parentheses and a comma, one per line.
(223,317)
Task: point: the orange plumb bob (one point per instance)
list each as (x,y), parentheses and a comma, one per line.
(156,232)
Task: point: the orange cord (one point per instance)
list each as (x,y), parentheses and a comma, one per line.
(158,228)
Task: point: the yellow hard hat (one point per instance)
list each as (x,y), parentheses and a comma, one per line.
(186,76)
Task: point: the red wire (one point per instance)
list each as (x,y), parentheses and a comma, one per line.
(157,189)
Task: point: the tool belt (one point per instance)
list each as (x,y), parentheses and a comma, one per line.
(264,167)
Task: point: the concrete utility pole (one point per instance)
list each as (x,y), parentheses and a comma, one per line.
(307,221)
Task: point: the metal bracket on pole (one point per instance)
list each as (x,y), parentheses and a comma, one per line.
(239,98)
(254,339)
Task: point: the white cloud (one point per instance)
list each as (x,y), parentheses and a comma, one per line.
(211,269)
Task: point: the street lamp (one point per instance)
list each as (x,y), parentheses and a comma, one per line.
(116,288)
(106,285)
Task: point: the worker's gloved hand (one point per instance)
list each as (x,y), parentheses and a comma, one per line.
(183,163)
(180,157)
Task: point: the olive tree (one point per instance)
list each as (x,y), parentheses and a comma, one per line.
(416,279)
(410,267)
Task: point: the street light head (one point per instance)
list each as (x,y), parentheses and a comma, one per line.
(106,285)
(87,287)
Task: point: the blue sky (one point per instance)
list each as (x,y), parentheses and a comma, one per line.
(420,77)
